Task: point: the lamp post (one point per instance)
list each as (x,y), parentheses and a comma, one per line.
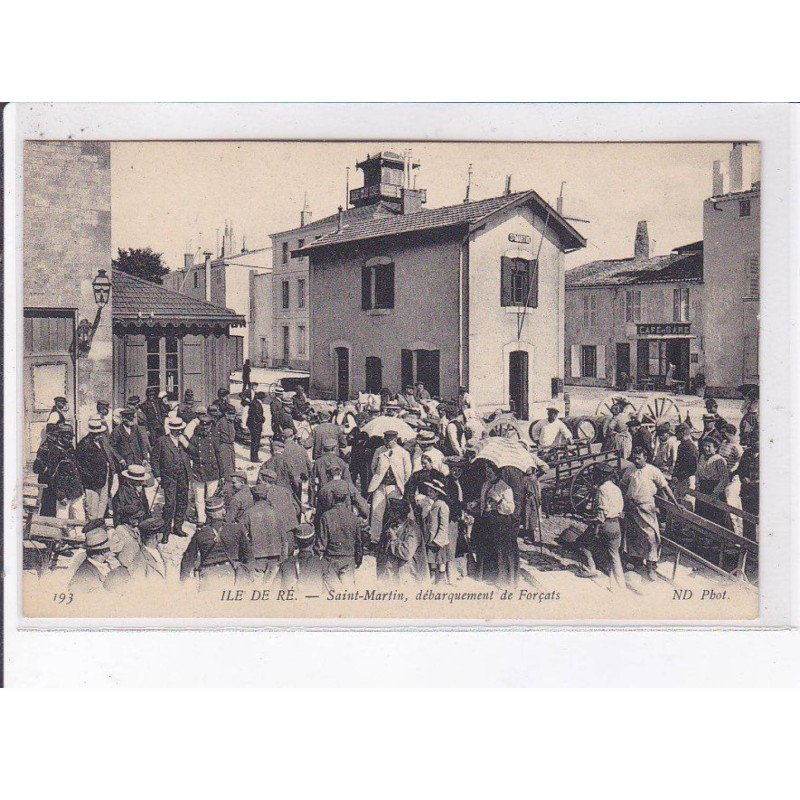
(101,286)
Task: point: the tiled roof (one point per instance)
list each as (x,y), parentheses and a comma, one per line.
(462,214)
(133,299)
(349,216)
(681,264)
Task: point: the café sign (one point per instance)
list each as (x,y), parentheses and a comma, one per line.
(664,329)
(519,238)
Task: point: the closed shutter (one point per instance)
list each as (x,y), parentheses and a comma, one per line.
(135,365)
(601,361)
(366,287)
(389,290)
(575,360)
(406,368)
(505,281)
(193,366)
(533,285)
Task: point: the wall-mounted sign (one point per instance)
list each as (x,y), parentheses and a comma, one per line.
(664,329)
(519,238)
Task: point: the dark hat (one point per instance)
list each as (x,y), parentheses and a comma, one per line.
(64,428)
(340,492)
(151,389)
(664,427)
(188,393)
(709,418)
(634,422)
(104,403)
(230,411)
(128,413)
(268,472)
(214,410)
(682,429)
(215,503)
(329,444)
(241,474)
(462,389)
(261,490)
(305,533)
(554,410)
(134,398)
(151,525)
(336,468)
(399,507)
(389,436)
(604,470)
(223,392)
(59,399)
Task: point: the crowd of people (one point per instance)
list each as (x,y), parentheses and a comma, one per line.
(330,489)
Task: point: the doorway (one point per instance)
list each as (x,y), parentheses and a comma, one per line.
(678,354)
(342,373)
(374,375)
(518,383)
(623,367)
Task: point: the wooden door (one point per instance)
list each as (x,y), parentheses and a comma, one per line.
(374,375)
(518,383)
(623,367)
(428,370)
(342,373)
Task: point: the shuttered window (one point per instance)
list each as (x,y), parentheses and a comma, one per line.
(588,361)
(575,360)
(754,275)
(519,282)
(589,310)
(633,305)
(377,286)
(680,305)
(285,294)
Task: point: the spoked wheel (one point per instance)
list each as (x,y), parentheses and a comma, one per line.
(657,410)
(506,428)
(582,489)
(604,406)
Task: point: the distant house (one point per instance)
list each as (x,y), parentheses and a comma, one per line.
(470,294)
(166,339)
(639,317)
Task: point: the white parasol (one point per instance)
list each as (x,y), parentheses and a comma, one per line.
(379,425)
(503,452)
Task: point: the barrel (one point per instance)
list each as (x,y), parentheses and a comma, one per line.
(584,429)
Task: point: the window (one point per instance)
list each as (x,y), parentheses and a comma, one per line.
(154,362)
(301,340)
(195,278)
(519,282)
(754,275)
(589,309)
(744,208)
(588,361)
(633,305)
(285,253)
(285,294)
(377,286)
(285,344)
(301,243)
(264,351)
(680,305)
(301,293)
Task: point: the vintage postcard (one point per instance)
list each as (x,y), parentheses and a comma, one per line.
(390,380)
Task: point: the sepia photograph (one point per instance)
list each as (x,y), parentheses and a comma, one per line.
(391,380)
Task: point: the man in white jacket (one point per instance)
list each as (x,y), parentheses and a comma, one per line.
(391,469)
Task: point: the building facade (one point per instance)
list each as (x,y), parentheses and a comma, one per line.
(67,240)
(447,297)
(228,286)
(731,231)
(385,191)
(639,319)
(261,327)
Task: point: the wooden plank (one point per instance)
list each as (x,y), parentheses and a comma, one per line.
(723,506)
(706,525)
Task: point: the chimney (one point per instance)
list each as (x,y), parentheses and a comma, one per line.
(737,167)
(641,247)
(339,221)
(718,181)
(412,201)
(508,185)
(188,260)
(305,214)
(208,276)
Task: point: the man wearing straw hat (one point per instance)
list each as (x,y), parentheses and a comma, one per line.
(100,569)
(129,504)
(172,465)
(97,462)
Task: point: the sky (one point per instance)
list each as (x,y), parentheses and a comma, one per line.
(171,196)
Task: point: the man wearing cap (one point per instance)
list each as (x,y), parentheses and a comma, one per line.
(129,504)
(666,450)
(297,462)
(267,535)
(280,498)
(219,551)
(326,430)
(203,448)
(391,470)
(225,430)
(685,470)
(100,569)
(640,437)
(605,529)
(58,414)
(551,432)
(186,409)
(153,411)
(324,497)
(240,499)
(222,402)
(97,463)
(303,571)
(712,410)
(339,541)
(104,412)
(321,472)
(281,419)
(426,445)
(173,466)
(255,424)
(63,497)
(130,440)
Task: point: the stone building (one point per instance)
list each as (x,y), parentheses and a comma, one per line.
(66,242)
(634,317)
(386,192)
(451,296)
(261,328)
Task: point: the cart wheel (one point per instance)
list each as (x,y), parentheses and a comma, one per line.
(505,428)
(582,488)
(659,409)
(604,406)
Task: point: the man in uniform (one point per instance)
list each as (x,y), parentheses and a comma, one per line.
(186,410)
(297,462)
(240,497)
(303,571)
(339,541)
(281,499)
(97,464)
(281,418)
(64,479)
(172,465)
(246,369)
(222,401)
(391,469)
(58,414)
(255,424)
(203,448)
(219,551)
(269,546)
(325,430)
(153,411)
(104,412)
(323,465)
(324,499)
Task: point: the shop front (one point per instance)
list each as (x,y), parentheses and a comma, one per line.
(664,355)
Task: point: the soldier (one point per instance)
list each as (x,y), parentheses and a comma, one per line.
(171,463)
(222,401)
(241,497)
(269,545)
(130,504)
(281,499)
(281,419)
(226,436)
(321,471)
(153,411)
(323,432)
(58,414)
(255,424)
(203,447)
(218,551)
(64,482)
(297,461)
(97,464)
(104,412)
(186,410)
(339,541)
(43,465)
(303,571)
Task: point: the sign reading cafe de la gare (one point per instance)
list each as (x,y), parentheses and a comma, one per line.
(663,329)
(368,419)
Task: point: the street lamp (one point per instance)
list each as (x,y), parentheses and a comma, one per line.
(101,286)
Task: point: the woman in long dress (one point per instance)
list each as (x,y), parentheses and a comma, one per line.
(436,525)
(713,477)
(617,434)
(498,549)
